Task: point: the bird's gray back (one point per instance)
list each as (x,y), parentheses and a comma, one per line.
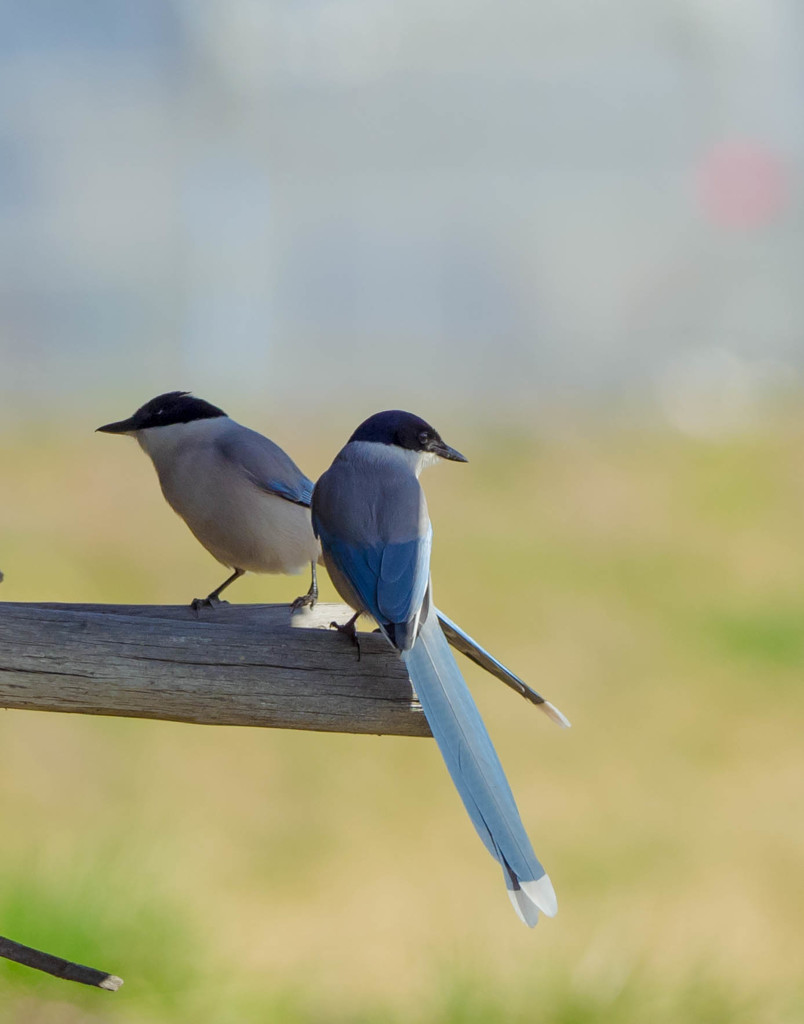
(244,499)
(267,465)
(367,500)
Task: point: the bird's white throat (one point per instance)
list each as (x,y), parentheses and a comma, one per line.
(391,454)
(166,442)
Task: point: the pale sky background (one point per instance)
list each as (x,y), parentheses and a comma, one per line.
(485,203)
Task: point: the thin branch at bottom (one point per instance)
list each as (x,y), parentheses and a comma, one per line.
(58,967)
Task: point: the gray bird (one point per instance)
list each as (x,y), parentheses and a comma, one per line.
(248,503)
(370,514)
(240,494)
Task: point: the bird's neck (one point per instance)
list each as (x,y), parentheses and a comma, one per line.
(389,456)
(165,444)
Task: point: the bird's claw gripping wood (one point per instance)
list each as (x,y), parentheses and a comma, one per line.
(349,629)
(198,603)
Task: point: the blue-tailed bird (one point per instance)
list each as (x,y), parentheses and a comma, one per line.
(370,515)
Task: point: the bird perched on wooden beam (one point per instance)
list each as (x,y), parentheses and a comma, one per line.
(370,514)
(241,495)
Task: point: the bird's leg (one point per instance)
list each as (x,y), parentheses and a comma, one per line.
(310,598)
(215,597)
(349,629)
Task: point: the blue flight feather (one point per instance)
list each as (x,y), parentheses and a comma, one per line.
(300,495)
(390,579)
(360,566)
(403,578)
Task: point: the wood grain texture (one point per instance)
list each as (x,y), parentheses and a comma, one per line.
(232,665)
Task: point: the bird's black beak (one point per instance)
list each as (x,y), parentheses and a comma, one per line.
(121,427)
(443,451)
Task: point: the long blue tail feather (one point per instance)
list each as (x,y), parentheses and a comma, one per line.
(468,646)
(475,768)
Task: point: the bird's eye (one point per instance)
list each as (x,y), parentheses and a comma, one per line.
(424,438)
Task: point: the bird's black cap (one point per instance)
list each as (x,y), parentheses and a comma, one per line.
(405,430)
(164,411)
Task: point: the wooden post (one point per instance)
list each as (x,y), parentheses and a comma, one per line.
(231,665)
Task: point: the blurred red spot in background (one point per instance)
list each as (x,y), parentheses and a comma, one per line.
(741,184)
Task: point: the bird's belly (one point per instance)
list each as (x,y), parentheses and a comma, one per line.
(246,528)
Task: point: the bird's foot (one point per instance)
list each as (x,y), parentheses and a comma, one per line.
(307,600)
(205,602)
(348,628)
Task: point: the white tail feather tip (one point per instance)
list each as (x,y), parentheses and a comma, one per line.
(525,910)
(542,893)
(555,715)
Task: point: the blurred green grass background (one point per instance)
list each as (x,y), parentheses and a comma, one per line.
(650,585)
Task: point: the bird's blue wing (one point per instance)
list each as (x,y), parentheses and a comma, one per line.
(266,464)
(301,494)
(376,537)
(390,580)
(360,567)
(404,574)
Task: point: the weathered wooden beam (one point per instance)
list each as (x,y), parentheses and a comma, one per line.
(232,665)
